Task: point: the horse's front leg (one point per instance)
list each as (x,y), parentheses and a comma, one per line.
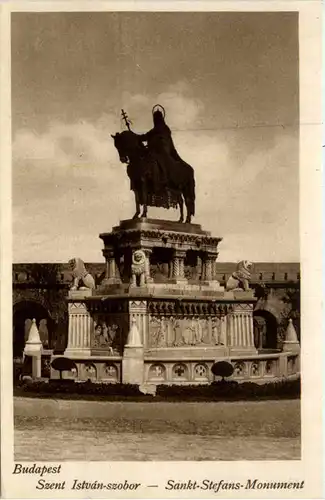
(144,197)
(144,211)
(137,205)
(181,208)
(188,217)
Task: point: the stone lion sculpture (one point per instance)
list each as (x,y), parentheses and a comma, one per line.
(240,279)
(138,268)
(80,275)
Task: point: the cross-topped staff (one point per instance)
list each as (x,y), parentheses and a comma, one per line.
(126,119)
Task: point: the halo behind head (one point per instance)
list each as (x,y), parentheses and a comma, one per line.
(158,107)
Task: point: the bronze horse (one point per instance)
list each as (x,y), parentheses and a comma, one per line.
(144,173)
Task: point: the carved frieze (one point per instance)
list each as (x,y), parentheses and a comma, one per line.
(156,237)
(107,306)
(177,323)
(170,331)
(219,330)
(158,332)
(188,308)
(109,333)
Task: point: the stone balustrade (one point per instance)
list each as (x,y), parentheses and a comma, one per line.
(106,369)
(190,371)
(197,371)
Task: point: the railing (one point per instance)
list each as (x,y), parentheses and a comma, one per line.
(96,369)
(196,371)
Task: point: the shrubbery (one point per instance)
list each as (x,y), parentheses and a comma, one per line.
(63,365)
(64,387)
(232,391)
(222,369)
(217,391)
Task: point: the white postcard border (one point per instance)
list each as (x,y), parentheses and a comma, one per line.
(309,468)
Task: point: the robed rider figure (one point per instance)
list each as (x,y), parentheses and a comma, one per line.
(161,145)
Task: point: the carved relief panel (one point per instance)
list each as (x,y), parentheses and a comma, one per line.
(109,333)
(169,328)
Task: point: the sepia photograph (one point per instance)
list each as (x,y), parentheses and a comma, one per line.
(157,267)
(156,242)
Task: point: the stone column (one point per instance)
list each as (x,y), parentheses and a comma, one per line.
(80,327)
(178,266)
(209,267)
(133,354)
(240,325)
(148,252)
(111,270)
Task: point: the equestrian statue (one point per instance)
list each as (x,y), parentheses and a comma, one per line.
(159,177)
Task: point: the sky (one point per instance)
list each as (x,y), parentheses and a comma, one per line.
(229,83)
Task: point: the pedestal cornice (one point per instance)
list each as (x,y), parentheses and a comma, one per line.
(151,233)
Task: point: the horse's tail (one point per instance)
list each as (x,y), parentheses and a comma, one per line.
(189,192)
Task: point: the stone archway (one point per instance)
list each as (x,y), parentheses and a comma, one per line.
(265,329)
(23,313)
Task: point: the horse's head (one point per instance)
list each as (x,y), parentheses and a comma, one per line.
(120,146)
(127,144)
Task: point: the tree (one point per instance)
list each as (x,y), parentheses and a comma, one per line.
(63,365)
(52,294)
(291,299)
(44,274)
(222,369)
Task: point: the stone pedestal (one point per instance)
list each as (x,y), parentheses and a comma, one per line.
(155,237)
(33,348)
(160,313)
(80,324)
(133,356)
(291,342)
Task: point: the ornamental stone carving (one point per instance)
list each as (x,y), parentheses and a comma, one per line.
(181,308)
(82,279)
(107,334)
(180,371)
(219,330)
(170,331)
(239,369)
(90,371)
(104,336)
(158,330)
(138,268)
(255,369)
(194,331)
(240,279)
(110,371)
(201,371)
(157,371)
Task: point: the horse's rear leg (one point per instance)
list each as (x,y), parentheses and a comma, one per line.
(188,210)
(144,197)
(181,208)
(144,212)
(137,205)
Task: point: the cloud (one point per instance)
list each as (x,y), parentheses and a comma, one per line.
(183,111)
(69,184)
(65,144)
